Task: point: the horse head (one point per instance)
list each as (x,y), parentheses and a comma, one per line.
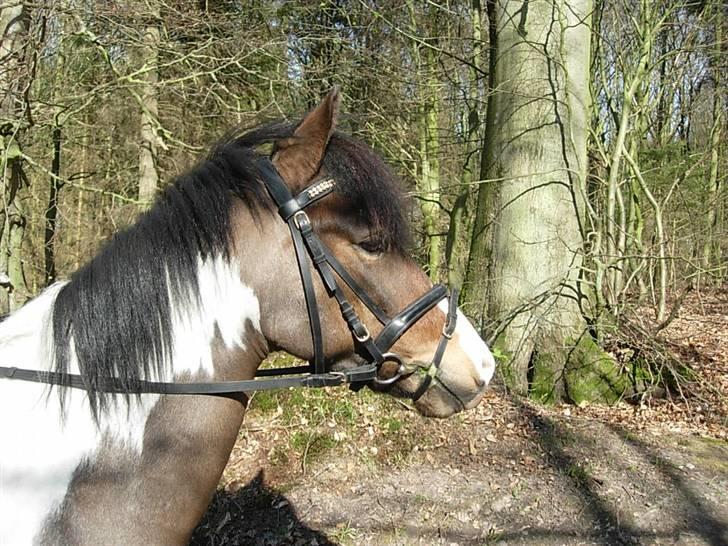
(361,222)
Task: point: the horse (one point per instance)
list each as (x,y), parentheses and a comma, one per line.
(199,290)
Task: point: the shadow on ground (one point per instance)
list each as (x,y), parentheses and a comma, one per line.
(532,477)
(553,440)
(695,518)
(254,515)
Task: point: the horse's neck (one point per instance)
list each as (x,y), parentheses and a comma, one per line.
(25,336)
(159,447)
(225,314)
(215,336)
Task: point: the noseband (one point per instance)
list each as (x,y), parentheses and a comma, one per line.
(309,248)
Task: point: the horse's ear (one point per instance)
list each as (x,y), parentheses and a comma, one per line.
(298,157)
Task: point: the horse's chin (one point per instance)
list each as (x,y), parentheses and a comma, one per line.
(439,409)
(347,363)
(437,402)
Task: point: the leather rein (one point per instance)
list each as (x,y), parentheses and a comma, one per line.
(309,249)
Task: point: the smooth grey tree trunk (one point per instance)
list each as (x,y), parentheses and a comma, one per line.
(535,160)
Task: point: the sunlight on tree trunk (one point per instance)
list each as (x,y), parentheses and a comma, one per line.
(428,183)
(13,182)
(430,180)
(458,236)
(538,158)
(148,156)
(475,286)
(711,248)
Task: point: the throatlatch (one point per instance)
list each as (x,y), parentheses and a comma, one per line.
(310,250)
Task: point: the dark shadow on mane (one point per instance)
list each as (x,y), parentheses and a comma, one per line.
(118,307)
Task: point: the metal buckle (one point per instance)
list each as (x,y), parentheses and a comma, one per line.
(445,334)
(328,379)
(301,217)
(401,370)
(364,337)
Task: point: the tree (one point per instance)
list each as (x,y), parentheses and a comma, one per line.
(103,105)
(711,249)
(149,105)
(458,235)
(14,79)
(532,202)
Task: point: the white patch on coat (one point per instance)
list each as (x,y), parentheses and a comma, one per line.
(40,448)
(472,345)
(223,305)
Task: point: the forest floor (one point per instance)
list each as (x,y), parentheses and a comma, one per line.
(334,467)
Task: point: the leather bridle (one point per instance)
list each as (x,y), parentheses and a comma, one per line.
(309,249)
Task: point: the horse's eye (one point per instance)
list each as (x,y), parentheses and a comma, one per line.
(371,246)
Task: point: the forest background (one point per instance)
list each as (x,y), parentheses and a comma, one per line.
(566,158)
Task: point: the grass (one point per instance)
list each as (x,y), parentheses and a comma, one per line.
(312,443)
(344,533)
(314,422)
(578,472)
(265,402)
(391,424)
(493,536)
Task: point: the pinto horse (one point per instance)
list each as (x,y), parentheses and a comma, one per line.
(201,289)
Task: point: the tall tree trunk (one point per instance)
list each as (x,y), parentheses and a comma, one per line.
(14,75)
(148,150)
(711,248)
(615,222)
(475,287)
(457,234)
(430,170)
(51,212)
(428,185)
(538,158)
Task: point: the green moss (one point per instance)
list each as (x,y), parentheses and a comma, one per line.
(709,453)
(503,362)
(645,375)
(591,375)
(544,378)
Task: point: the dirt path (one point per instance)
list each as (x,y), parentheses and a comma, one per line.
(549,478)
(343,468)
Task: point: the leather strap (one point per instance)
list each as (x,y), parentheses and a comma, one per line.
(309,292)
(447,331)
(355,287)
(408,316)
(219,388)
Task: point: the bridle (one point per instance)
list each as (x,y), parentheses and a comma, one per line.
(309,250)
(375,351)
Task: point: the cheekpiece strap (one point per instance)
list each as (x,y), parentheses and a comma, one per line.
(447,331)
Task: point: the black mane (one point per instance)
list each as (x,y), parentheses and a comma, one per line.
(118,306)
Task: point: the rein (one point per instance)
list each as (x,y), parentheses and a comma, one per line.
(309,249)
